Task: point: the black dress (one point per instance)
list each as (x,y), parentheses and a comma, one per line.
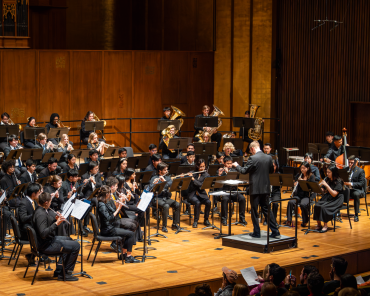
(327,206)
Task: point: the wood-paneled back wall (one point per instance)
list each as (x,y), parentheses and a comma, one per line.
(113,84)
(320,72)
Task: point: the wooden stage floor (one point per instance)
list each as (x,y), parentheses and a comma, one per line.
(195,257)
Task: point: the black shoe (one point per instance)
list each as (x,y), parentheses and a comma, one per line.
(243,221)
(31,259)
(131,259)
(84,233)
(164,229)
(195,225)
(87,229)
(175,227)
(186,212)
(224,222)
(275,235)
(201,212)
(264,223)
(254,235)
(46,260)
(207,223)
(114,247)
(356,219)
(69,278)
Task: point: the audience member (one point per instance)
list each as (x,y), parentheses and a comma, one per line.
(348,281)
(268,289)
(228,282)
(302,287)
(291,293)
(203,290)
(265,278)
(349,292)
(241,290)
(315,284)
(338,268)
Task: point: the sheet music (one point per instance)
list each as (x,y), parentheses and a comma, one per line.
(249,274)
(68,211)
(145,200)
(2,197)
(79,209)
(68,204)
(359,280)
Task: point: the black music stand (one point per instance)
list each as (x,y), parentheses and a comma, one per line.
(25,154)
(310,187)
(164,123)
(243,122)
(47,156)
(84,167)
(57,132)
(157,189)
(138,162)
(237,142)
(178,185)
(184,169)
(43,181)
(94,125)
(206,121)
(202,156)
(205,148)
(63,176)
(111,152)
(7,130)
(210,183)
(108,165)
(238,159)
(31,133)
(173,167)
(143,177)
(80,154)
(178,144)
(213,169)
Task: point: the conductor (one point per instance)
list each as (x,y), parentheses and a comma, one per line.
(259,166)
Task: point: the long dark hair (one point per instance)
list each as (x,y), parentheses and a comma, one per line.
(102,193)
(118,167)
(29,120)
(198,163)
(308,166)
(128,173)
(87,115)
(335,172)
(121,181)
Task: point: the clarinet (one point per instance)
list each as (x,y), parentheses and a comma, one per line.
(295,187)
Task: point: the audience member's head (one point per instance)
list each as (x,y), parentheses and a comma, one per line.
(348,281)
(348,292)
(306,270)
(291,293)
(229,276)
(315,283)
(338,266)
(240,290)
(266,271)
(268,289)
(276,275)
(203,290)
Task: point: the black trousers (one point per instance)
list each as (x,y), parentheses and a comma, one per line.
(275,206)
(234,197)
(305,207)
(68,247)
(165,205)
(356,195)
(197,201)
(262,201)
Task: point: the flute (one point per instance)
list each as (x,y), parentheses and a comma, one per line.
(58,214)
(121,203)
(191,173)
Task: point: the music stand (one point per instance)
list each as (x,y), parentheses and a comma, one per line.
(94,125)
(184,169)
(178,185)
(173,167)
(47,156)
(206,121)
(7,130)
(237,142)
(108,165)
(164,123)
(57,132)
(310,187)
(244,123)
(177,144)
(157,189)
(143,177)
(314,149)
(84,167)
(202,156)
(80,153)
(31,133)
(205,148)
(111,152)
(343,174)
(42,181)
(238,159)
(12,155)
(213,169)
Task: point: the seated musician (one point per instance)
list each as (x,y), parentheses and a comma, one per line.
(167,153)
(93,156)
(219,158)
(190,147)
(228,167)
(121,167)
(335,150)
(303,196)
(9,181)
(267,149)
(46,224)
(166,113)
(152,150)
(68,187)
(53,188)
(190,158)
(27,208)
(156,159)
(216,136)
(94,144)
(357,184)
(229,149)
(122,152)
(207,137)
(315,170)
(65,147)
(4,121)
(164,198)
(329,138)
(107,215)
(46,146)
(332,200)
(30,143)
(84,134)
(71,163)
(30,175)
(14,145)
(54,123)
(198,196)
(50,170)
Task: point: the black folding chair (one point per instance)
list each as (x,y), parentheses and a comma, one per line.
(344,207)
(18,243)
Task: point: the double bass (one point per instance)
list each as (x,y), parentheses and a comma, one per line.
(342,161)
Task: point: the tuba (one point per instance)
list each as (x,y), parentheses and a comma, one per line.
(177,113)
(256,132)
(96,118)
(216,111)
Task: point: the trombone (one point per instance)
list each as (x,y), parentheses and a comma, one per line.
(60,124)
(28,119)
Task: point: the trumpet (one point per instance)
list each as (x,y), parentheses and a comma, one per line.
(107,145)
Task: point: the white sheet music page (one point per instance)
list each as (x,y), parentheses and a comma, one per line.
(145,199)
(79,209)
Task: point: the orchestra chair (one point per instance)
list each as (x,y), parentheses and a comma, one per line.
(17,242)
(33,243)
(100,238)
(130,152)
(345,206)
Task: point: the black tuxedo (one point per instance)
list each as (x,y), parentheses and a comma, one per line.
(183,159)
(197,196)
(56,203)
(26,178)
(25,213)
(46,173)
(259,166)
(358,187)
(334,152)
(88,188)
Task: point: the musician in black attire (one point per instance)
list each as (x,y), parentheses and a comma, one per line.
(229,149)
(121,167)
(4,121)
(190,158)
(152,150)
(47,147)
(166,113)
(167,153)
(84,134)
(30,174)
(335,150)
(53,188)
(332,199)
(216,137)
(71,163)
(51,169)
(275,193)
(329,138)
(54,123)
(13,145)
(45,223)
(303,196)
(189,148)
(156,159)
(164,198)
(26,209)
(69,186)
(30,143)
(107,214)
(357,184)
(315,170)
(228,167)
(259,166)
(219,158)
(9,181)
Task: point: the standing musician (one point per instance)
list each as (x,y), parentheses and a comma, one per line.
(198,196)
(216,137)
(357,184)
(71,163)
(45,223)
(259,166)
(156,159)
(27,208)
(166,113)
(190,147)
(190,158)
(30,175)
(332,200)
(167,153)
(303,196)
(50,170)
(13,145)
(121,167)
(315,170)
(84,134)
(107,215)
(30,143)
(228,167)
(164,198)
(65,147)
(4,121)
(335,150)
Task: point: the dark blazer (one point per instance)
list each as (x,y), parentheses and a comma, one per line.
(7,150)
(258,166)
(25,177)
(187,163)
(183,159)
(164,193)
(25,213)
(88,189)
(8,182)
(105,212)
(65,153)
(46,173)
(56,203)
(165,151)
(358,179)
(195,186)
(334,152)
(45,227)
(151,168)
(46,150)
(66,188)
